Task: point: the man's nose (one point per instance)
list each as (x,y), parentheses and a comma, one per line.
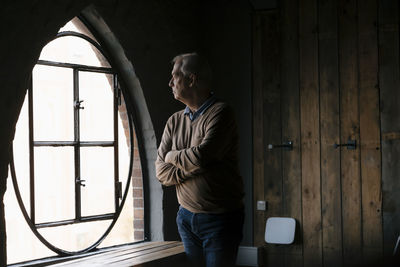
(171,83)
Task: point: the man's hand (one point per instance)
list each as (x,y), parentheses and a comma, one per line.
(169,157)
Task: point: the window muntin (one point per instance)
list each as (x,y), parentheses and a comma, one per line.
(48,228)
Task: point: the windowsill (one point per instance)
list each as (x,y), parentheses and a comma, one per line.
(126,255)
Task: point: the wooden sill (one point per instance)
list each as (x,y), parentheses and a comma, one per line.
(147,254)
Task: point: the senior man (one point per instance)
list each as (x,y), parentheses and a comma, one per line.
(198,155)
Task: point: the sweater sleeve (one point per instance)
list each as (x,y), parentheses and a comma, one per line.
(167,173)
(219,135)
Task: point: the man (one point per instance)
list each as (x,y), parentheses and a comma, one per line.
(198,155)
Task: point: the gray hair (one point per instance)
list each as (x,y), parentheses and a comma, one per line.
(192,63)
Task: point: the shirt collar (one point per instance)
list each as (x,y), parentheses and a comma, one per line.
(201,110)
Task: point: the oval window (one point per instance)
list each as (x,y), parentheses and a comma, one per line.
(72,168)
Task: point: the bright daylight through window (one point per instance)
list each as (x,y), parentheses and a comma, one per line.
(76,164)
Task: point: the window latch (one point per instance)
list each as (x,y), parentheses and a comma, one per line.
(77,104)
(80,182)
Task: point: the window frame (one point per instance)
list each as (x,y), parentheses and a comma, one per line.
(119,196)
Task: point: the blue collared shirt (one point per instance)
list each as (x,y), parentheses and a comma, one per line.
(201,110)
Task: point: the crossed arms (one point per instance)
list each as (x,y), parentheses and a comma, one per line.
(175,166)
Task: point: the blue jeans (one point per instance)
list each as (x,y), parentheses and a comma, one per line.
(210,240)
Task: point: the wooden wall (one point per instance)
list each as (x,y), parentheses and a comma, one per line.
(325,72)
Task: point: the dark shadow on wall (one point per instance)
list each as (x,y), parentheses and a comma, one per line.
(171,207)
(153,32)
(150,34)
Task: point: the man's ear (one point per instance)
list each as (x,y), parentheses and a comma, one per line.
(192,79)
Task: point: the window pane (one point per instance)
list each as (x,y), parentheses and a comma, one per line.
(96,119)
(97,169)
(20,237)
(76,236)
(75,50)
(53,110)
(123,230)
(123,147)
(54,184)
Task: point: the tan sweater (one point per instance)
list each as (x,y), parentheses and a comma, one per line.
(204,165)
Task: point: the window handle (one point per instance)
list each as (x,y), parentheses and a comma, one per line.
(80,182)
(77,104)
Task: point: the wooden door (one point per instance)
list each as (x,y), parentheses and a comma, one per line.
(316,70)
(275,76)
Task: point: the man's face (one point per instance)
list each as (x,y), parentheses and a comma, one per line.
(180,84)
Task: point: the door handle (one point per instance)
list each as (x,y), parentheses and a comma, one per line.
(351,145)
(286,146)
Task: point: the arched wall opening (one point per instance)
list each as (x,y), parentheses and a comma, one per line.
(143,125)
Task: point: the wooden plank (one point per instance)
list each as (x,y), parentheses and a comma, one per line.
(290,112)
(143,248)
(271,127)
(310,136)
(349,105)
(129,255)
(372,235)
(103,251)
(389,84)
(330,131)
(258,129)
(112,252)
(119,252)
(143,256)
(149,259)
